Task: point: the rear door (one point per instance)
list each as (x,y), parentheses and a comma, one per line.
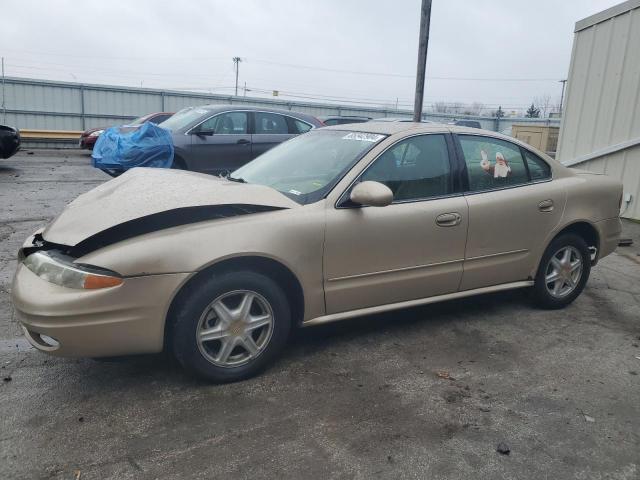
(513,207)
(221,143)
(270,129)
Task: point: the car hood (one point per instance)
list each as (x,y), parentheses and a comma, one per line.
(148,199)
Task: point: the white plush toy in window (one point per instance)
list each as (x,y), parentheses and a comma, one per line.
(501,169)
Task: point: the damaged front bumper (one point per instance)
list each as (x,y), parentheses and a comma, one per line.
(122,320)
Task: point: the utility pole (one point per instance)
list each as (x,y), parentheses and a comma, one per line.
(236,61)
(4,107)
(245,89)
(423,43)
(563,82)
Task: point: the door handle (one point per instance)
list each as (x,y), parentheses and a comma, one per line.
(448,219)
(545,206)
(243,141)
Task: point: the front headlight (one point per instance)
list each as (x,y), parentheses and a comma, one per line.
(57,268)
(96,133)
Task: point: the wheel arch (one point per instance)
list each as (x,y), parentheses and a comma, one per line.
(267,266)
(179,162)
(584,229)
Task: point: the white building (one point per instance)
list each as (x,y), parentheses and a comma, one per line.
(600,130)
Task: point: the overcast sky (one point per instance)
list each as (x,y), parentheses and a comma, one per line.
(498,52)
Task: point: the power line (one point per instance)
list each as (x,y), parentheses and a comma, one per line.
(304,67)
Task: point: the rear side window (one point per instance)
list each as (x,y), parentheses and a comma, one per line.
(414,168)
(538,168)
(298,126)
(271,124)
(492,163)
(331,121)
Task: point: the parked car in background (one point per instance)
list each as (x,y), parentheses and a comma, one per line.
(467,123)
(217,139)
(9,141)
(397,119)
(343,120)
(337,223)
(89,137)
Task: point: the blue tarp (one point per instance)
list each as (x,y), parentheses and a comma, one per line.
(122,148)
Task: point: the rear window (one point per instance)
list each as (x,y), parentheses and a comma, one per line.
(538,168)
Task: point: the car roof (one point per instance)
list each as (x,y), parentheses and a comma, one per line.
(328,117)
(226,108)
(390,128)
(289,113)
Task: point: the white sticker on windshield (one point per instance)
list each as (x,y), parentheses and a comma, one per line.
(363,137)
(295,192)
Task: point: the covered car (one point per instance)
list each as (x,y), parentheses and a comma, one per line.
(120,148)
(9,141)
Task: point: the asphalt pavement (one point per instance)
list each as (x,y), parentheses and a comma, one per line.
(424,393)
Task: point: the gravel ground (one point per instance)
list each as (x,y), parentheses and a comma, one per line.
(423,393)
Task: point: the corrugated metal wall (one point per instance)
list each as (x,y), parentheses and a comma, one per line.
(602,109)
(40,104)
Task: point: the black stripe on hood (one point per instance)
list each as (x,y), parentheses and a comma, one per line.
(163,220)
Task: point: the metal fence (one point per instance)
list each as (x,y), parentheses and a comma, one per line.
(49,105)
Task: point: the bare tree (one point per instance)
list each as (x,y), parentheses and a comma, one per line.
(556,107)
(441,107)
(477,108)
(544,104)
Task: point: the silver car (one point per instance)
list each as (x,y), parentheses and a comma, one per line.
(218,139)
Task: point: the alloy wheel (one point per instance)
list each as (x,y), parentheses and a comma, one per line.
(563,272)
(235,328)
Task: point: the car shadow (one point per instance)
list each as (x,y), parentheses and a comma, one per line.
(399,325)
(403,322)
(6,170)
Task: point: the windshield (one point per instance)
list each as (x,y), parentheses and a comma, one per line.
(307,167)
(183,118)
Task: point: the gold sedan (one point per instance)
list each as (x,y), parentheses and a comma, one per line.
(339,222)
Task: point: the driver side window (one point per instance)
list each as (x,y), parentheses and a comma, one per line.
(230,123)
(415,168)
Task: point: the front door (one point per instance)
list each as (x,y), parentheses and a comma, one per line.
(221,143)
(513,208)
(411,249)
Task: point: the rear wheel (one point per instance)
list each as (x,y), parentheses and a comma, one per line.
(231,326)
(563,272)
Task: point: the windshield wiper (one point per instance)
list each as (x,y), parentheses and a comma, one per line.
(238,180)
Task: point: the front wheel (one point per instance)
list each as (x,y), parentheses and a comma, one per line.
(231,326)
(563,272)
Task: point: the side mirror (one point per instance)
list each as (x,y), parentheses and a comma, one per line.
(373,194)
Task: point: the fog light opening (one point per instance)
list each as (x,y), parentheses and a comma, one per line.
(49,341)
(41,341)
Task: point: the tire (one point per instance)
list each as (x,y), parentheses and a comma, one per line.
(570,278)
(178,164)
(215,305)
